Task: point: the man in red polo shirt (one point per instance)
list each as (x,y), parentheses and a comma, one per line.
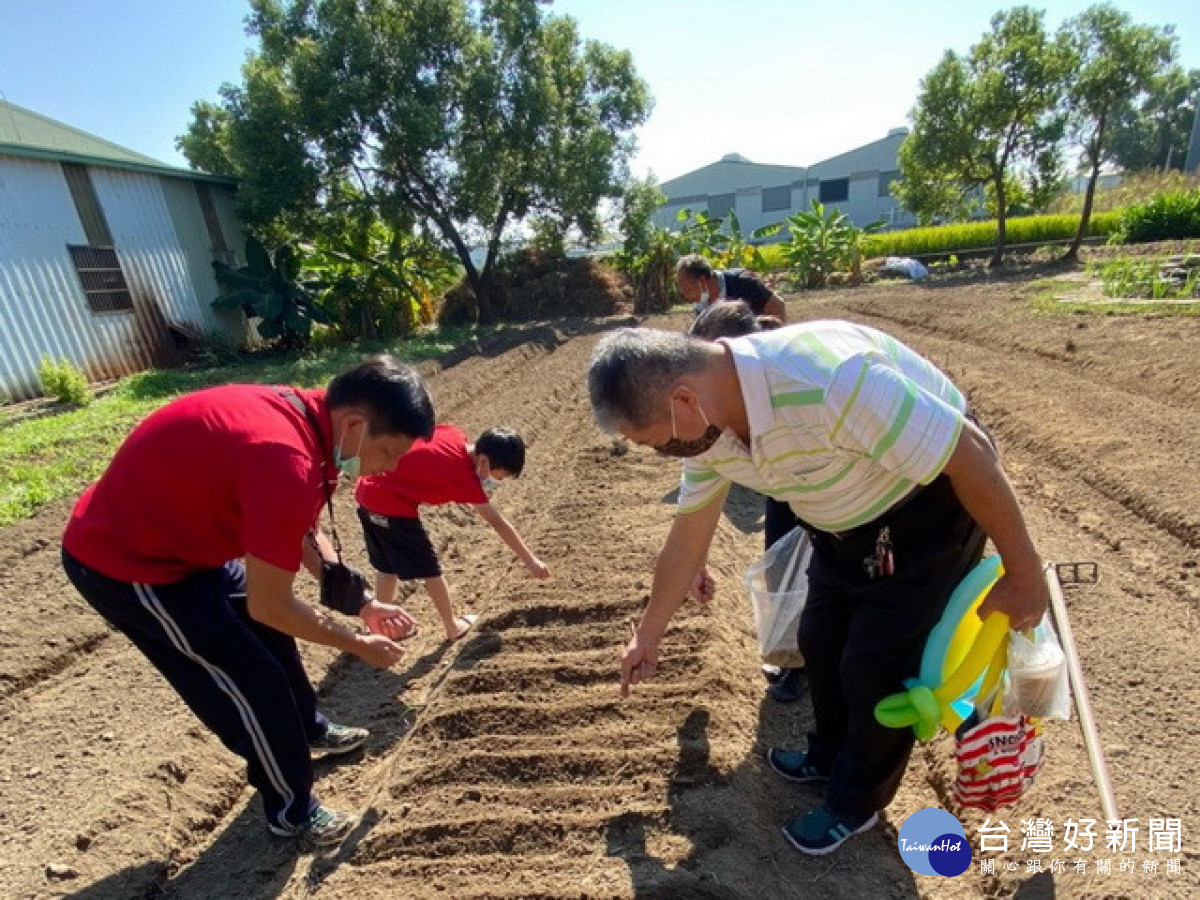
(233,472)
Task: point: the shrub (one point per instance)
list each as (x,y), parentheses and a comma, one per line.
(1172,216)
(64,381)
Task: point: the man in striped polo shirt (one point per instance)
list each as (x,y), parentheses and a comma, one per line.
(872,446)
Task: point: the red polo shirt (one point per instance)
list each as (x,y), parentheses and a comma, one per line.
(212,476)
(434,471)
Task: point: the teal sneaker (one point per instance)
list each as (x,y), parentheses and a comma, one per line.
(324,827)
(794,766)
(336,740)
(822,831)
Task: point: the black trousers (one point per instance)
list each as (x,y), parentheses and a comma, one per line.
(778,520)
(862,635)
(242,679)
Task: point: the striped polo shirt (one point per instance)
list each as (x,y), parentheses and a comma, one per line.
(844,422)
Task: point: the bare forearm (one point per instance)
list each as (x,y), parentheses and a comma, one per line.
(509,535)
(303,622)
(681,557)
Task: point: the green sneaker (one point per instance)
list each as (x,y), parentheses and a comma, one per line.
(822,831)
(324,827)
(338,739)
(794,766)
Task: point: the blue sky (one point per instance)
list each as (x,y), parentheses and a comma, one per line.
(779,81)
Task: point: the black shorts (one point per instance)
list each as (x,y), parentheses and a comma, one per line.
(398,545)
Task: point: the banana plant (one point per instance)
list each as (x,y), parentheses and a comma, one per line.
(379,281)
(269,288)
(822,242)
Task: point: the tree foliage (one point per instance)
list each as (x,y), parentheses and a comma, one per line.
(1152,130)
(986,118)
(466,117)
(1113,61)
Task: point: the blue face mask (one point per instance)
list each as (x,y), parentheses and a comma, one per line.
(349,466)
(489,484)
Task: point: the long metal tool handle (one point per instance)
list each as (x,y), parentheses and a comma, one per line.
(1083,705)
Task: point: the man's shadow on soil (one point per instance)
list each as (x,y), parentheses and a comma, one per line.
(756,805)
(244,860)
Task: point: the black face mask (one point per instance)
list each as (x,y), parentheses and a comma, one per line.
(678,447)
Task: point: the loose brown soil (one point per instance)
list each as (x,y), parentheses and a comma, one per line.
(507,767)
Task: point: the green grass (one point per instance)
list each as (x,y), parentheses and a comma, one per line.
(56,455)
(1046,292)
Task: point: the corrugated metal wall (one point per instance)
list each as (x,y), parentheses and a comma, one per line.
(187,217)
(42,306)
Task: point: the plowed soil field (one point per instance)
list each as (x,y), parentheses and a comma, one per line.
(506,766)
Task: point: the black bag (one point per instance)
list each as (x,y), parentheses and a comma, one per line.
(343,588)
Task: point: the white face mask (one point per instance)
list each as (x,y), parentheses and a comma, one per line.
(489,484)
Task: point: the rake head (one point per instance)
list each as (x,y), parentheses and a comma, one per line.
(1076,573)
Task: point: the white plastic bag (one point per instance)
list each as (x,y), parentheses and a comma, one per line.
(1038,684)
(778,586)
(906,266)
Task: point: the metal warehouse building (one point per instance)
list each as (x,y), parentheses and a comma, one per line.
(105,254)
(857,182)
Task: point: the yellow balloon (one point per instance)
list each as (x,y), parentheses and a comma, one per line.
(964,637)
(983,649)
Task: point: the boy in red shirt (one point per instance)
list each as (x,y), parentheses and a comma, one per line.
(443,469)
(156,546)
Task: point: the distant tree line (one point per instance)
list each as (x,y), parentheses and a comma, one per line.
(992,127)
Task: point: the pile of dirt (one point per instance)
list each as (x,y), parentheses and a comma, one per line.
(533,285)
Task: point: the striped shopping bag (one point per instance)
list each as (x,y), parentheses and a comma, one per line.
(997,759)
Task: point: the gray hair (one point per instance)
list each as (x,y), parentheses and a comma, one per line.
(632,371)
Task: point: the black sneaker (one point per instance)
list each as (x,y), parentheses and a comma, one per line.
(338,739)
(822,831)
(787,687)
(324,827)
(794,766)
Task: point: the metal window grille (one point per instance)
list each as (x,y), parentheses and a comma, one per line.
(102,280)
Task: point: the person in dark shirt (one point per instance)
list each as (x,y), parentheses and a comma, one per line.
(734,320)
(703,286)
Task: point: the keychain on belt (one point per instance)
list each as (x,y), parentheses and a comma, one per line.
(882,563)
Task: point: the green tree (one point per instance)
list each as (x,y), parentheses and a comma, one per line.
(983,119)
(1114,61)
(467,116)
(648,253)
(1152,132)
